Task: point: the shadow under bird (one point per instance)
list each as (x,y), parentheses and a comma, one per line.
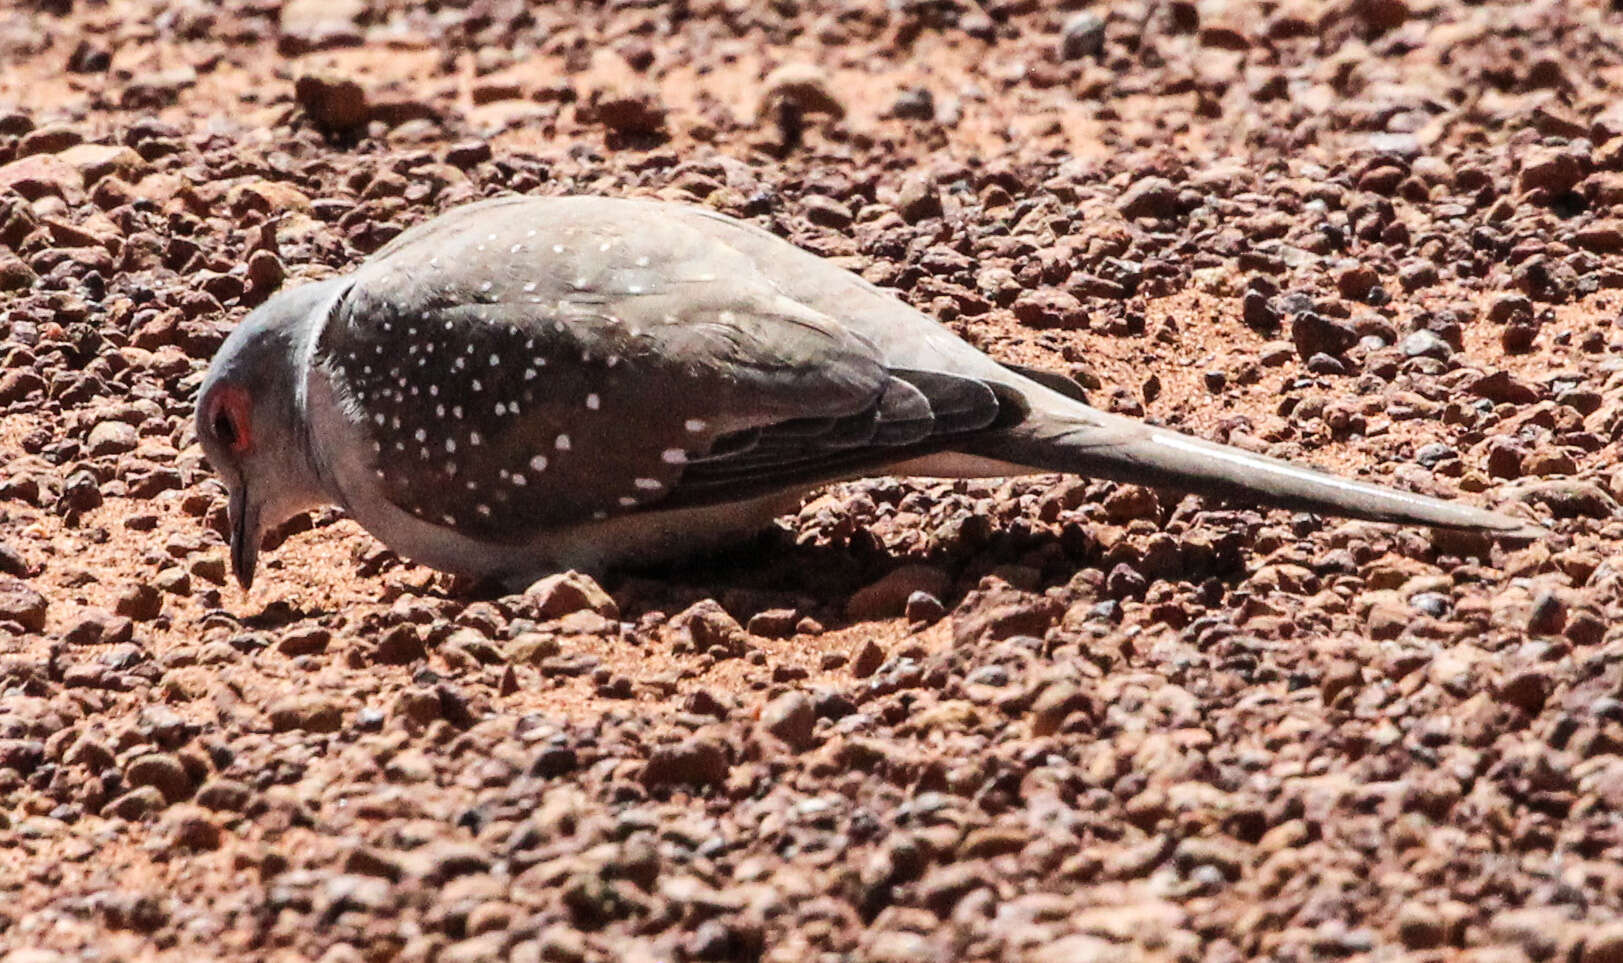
(523,385)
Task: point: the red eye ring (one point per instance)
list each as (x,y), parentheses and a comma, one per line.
(228,419)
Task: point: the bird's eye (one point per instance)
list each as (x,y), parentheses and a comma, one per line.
(225,429)
(228,419)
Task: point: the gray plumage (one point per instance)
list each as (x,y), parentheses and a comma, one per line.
(527,384)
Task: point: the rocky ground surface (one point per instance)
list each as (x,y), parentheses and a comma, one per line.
(1043,719)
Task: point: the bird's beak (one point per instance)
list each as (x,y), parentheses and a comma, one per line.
(245,535)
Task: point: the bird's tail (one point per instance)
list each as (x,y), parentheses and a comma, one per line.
(1084,441)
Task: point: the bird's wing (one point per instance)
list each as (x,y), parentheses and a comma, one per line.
(526,364)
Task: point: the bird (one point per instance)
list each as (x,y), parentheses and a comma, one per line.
(529,384)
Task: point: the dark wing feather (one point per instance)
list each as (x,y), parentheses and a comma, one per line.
(917,412)
(1052,380)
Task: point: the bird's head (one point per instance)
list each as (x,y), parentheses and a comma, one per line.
(250,425)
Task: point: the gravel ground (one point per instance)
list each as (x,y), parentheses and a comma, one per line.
(1045,719)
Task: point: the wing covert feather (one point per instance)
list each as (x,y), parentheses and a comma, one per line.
(528,368)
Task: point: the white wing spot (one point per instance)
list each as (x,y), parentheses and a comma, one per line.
(593,401)
(538,463)
(674,456)
(626,501)
(501,409)
(562,443)
(529,374)
(649,484)
(473,438)
(495,360)
(519,481)
(694,424)
(599,515)
(420,434)
(484,510)
(450,446)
